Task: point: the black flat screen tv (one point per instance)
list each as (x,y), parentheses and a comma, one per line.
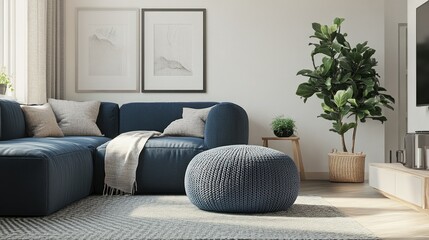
(422,52)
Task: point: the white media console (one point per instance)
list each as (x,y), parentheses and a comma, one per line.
(397,181)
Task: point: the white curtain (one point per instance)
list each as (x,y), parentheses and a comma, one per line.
(37,43)
(45,50)
(55,49)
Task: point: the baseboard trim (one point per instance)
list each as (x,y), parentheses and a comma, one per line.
(322,176)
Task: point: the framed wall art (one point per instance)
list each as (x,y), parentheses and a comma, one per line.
(173,50)
(107,50)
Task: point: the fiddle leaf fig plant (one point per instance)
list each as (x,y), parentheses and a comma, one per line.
(345,79)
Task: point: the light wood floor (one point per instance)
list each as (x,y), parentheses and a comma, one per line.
(386,218)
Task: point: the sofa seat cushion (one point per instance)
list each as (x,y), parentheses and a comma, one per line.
(41,176)
(91,142)
(49,146)
(162,165)
(188,143)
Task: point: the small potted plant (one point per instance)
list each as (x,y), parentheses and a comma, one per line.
(283,127)
(5,82)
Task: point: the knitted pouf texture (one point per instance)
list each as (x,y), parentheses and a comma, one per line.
(242,179)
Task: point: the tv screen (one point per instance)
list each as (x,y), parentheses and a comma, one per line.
(422,61)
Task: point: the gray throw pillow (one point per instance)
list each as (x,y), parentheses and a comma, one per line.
(40,121)
(191,125)
(199,113)
(76,118)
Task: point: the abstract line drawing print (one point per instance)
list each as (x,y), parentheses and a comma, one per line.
(173,50)
(106,50)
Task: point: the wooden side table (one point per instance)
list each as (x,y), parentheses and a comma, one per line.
(297,157)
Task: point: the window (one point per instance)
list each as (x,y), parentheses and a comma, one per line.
(13,43)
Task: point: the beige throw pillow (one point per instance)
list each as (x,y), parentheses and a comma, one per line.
(191,125)
(76,118)
(41,122)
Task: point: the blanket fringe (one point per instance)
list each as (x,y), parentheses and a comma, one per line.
(110,191)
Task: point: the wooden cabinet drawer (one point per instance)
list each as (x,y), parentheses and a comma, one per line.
(382,179)
(409,188)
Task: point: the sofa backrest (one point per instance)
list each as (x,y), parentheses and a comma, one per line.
(153,115)
(12,122)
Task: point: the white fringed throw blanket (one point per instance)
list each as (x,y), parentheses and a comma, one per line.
(121,160)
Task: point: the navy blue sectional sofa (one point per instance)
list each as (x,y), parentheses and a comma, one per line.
(39,176)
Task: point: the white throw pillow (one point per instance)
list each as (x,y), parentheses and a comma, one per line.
(76,118)
(191,125)
(41,122)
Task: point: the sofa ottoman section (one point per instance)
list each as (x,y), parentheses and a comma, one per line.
(40,177)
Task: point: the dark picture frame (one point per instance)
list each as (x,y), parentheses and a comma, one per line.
(173,50)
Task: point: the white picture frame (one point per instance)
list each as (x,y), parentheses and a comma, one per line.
(107,50)
(173,47)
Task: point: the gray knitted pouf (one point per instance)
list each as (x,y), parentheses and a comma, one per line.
(242,179)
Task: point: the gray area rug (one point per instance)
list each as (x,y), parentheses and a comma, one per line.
(174,217)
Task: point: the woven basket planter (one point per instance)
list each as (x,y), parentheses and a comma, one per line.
(346,167)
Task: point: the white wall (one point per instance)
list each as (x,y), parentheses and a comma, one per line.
(1,34)
(254,49)
(418,117)
(395,13)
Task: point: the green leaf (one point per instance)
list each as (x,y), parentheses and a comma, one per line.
(361,115)
(329,117)
(304,72)
(345,110)
(316,27)
(368,53)
(328,83)
(336,127)
(309,73)
(322,50)
(344,64)
(341,97)
(341,40)
(338,21)
(345,127)
(326,108)
(346,77)
(371,101)
(333,130)
(327,64)
(353,102)
(306,90)
(388,106)
(381,119)
(328,102)
(325,30)
(333,28)
(320,95)
(390,98)
(337,47)
(320,36)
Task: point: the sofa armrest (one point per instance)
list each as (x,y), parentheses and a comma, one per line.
(227,124)
(108,119)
